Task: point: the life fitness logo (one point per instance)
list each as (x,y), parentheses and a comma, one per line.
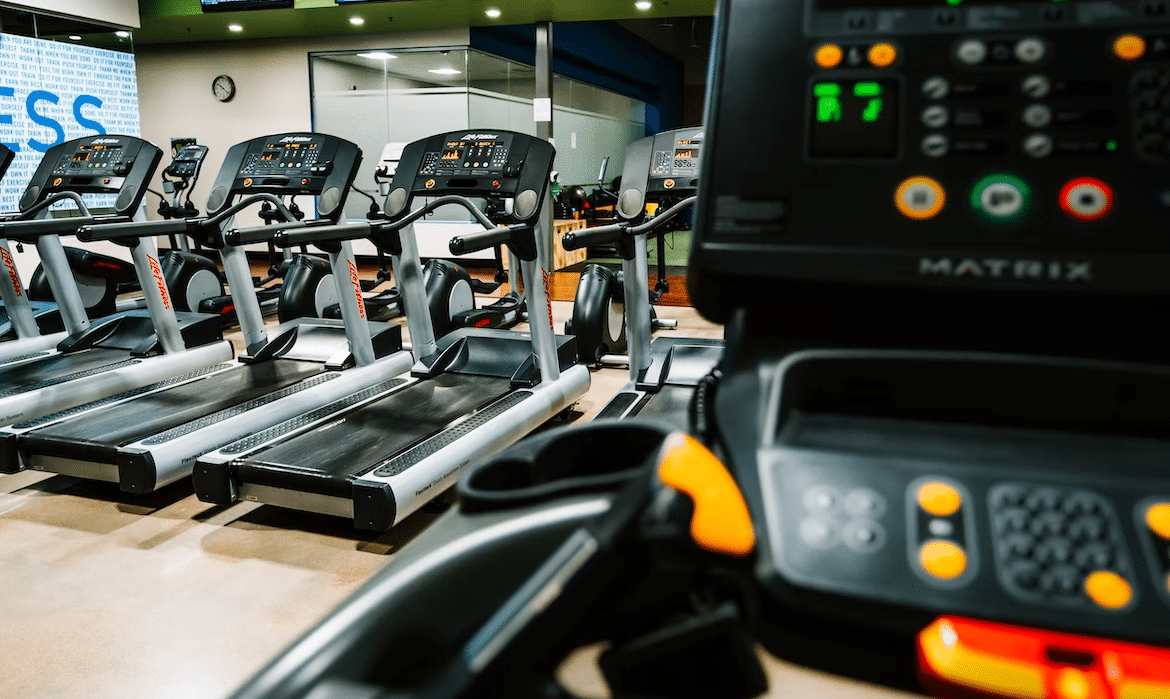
(10,265)
(547,278)
(160,282)
(357,289)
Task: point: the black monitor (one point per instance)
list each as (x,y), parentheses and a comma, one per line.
(236,5)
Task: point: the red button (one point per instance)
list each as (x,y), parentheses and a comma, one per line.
(304,182)
(495,183)
(1086,199)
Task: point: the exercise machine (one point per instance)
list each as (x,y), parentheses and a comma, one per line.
(381,455)
(48,373)
(943,471)
(147,438)
(665,372)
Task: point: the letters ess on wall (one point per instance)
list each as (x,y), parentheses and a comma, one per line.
(52,92)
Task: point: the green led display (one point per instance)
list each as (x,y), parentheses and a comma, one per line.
(828,102)
(1111,145)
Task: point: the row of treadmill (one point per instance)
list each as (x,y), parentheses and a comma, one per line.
(334,416)
(934,452)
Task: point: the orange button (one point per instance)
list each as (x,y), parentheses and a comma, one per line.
(1158,519)
(883,55)
(942,559)
(1108,589)
(829,56)
(939,499)
(1129,47)
(1072,683)
(920,198)
(721,522)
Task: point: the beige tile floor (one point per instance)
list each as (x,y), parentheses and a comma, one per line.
(110,596)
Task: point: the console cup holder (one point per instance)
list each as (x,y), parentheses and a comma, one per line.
(597,457)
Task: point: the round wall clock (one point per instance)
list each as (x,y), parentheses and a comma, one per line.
(224,88)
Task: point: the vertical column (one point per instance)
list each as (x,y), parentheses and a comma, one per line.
(544,129)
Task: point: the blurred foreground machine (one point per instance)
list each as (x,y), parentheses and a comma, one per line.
(936,237)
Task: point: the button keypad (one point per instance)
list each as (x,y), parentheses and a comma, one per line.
(1150,103)
(1049,542)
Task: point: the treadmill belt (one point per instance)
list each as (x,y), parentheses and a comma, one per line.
(27,377)
(325,459)
(95,437)
(671,404)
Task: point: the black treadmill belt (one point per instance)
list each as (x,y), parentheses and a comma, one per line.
(96,437)
(670,404)
(325,459)
(26,376)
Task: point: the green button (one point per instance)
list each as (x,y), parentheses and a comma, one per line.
(1001,198)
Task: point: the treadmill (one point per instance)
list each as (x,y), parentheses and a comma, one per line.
(665,373)
(379,456)
(147,438)
(126,350)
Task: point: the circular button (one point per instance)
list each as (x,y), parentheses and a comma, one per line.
(1038,145)
(935,116)
(1038,115)
(882,55)
(828,56)
(940,528)
(1036,86)
(1108,589)
(942,559)
(820,498)
(863,536)
(1086,199)
(972,52)
(1158,519)
(1030,50)
(1000,198)
(935,145)
(920,198)
(939,499)
(1129,47)
(818,533)
(936,88)
(863,502)
(1072,683)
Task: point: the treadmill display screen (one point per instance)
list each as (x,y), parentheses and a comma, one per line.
(854,119)
(282,158)
(471,157)
(92,156)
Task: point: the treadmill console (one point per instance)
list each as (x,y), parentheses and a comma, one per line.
(663,166)
(121,165)
(987,145)
(289,164)
(489,164)
(186,163)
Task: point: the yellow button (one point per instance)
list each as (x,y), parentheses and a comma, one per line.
(920,198)
(1129,47)
(939,499)
(721,522)
(942,559)
(829,56)
(1072,683)
(1158,519)
(1108,589)
(882,55)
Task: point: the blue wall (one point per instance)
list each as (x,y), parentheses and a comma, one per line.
(603,54)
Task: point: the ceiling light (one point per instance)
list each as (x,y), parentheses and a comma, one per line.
(444,71)
(492,12)
(357,21)
(235,28)
(643,5)
(74,37)
(122,35)
(377,55)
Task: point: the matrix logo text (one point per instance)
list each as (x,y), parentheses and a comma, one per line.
(1003,268)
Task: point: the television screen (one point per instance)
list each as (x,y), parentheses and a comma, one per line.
(234,5)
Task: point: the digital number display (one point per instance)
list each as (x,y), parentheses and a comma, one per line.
(80,157)
(278,146)
(688,142)
(99,147)
(270,155)
(684,154)
(451,154)
(854,119)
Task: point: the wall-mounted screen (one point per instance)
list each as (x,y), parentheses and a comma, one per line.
(235,5)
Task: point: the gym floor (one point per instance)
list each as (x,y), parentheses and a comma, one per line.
(109,595)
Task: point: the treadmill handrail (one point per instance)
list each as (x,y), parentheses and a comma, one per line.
(125,229)
(575,240)
(38,228)
(60,196)
(463,244)
(266,232)
(287,237)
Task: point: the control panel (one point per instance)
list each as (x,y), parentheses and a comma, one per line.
(289,164)
(488,163)
(186,163)
(119,165)
(1013,145)
(930,508)
(659,167)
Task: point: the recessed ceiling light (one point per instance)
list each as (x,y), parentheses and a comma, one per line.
(492,12)
(357,21)
(643,5)
(235,28)
(377,55)
(444,71)
(122,35)
(74,37)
